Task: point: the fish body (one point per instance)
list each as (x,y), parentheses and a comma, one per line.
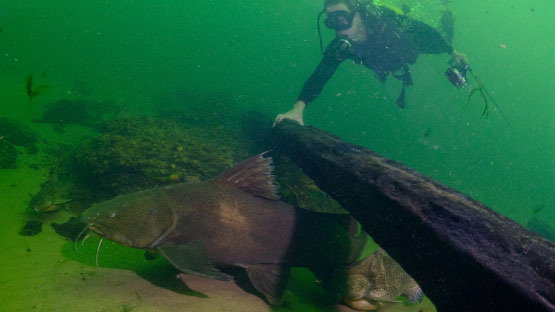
(377,281)
(52,195)
(235,220)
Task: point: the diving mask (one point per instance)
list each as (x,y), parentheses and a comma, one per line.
(339,20)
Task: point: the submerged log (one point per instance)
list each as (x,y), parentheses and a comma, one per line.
(464,255)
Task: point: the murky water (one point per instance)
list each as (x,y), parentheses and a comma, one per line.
(203,64)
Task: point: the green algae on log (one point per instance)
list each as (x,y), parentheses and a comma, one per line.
(465,256)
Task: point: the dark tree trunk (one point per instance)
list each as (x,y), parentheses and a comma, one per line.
(465,256)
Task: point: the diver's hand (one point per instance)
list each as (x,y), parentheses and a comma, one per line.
(458,58)
(296,114)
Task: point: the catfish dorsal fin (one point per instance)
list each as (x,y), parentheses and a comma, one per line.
(253,176)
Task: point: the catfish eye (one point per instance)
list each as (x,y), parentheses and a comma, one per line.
(112,214)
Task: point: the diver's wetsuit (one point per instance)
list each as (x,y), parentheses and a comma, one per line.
(393,42)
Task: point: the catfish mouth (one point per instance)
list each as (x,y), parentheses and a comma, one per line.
(47,205)
(100,230)
(147,238)
(94,227)
(115,237)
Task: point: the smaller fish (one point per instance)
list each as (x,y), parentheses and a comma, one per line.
(376,281)
(32,91)
(51,196)
(537,209)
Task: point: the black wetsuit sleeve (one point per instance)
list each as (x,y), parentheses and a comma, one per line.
(426,38)
(316,82)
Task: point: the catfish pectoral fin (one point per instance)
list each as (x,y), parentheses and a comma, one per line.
(269,279)
(191,258)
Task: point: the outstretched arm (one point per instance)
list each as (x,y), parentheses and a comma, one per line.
(314,85)
(316,82)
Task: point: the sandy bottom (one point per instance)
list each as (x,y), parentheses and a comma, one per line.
(45,273)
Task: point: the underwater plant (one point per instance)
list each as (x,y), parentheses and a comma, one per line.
(134,153)
(485,95)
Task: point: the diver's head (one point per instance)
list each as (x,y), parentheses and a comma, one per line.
(344,18)
(351,4)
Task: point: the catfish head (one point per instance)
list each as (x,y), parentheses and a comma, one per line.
(136,220)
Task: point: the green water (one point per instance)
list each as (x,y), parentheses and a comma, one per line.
(143,54)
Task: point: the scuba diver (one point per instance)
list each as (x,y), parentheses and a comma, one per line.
(378,38)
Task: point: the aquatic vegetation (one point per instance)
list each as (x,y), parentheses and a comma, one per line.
(480,89)
(18,134)
(136,153)
(485,95)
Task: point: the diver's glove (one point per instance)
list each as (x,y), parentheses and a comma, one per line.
(456,73)
(458,59)
(295,114)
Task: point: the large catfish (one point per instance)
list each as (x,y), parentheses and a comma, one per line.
(235,220)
